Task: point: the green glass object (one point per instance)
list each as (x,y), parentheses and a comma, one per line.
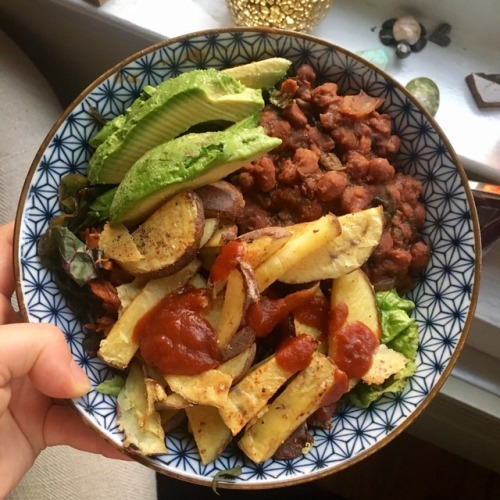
(426,92)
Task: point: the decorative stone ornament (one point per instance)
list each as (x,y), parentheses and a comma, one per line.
(405,33)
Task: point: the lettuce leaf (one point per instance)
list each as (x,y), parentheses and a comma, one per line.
(399,332)
(111,386)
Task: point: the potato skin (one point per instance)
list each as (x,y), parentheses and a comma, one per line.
(221,199)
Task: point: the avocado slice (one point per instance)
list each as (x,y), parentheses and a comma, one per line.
(165,112)
(187,162)
(261,74)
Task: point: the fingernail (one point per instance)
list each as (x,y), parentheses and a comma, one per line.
(81,383)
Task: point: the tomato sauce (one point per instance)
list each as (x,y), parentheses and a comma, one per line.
(263,316)
(226,261)
(295,353)
(351,344)
(314,313)
(175,338)
(339,388)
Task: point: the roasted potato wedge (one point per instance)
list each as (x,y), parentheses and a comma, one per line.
(356,291)
(242,340)
(262,243)
(312,330)
(207,388)
(210,433)
(301,398)
(233,308)
(386,362)
(307,238)
(360,234)
(139,421)
(166,242)
(119,347)
(251,394)
(209,251)
(222,200)
(209,227)
(237,366)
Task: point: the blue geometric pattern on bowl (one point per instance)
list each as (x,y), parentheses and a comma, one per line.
(444,296)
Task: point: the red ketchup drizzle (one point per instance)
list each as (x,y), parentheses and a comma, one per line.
(264,315)
(295,353)
(175,338)
(339,388)
(226,261)
(351,344)
(314,313)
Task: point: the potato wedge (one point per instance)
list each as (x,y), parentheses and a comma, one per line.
(307,238)
(355,332)
(210,387)
(140,423)
(127,292)
(356,291)
(155,393)
(173,401)
(301,398)
(224,233)
(210,433)
(209,227)
(262,243)
(386,362)
(222,200)
(242,340)
(207,388)
(167,241)
(361,232)
(119,347)
(237,366)
(251,394)
(233,308)
(209,251)
(117,243)
(317,333)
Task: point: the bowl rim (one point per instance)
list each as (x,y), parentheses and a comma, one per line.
(277,483)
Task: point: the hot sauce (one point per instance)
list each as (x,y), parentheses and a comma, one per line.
(175,338)
(295,353)
(313,313)
(339,388)
(351,344)
(263,316)
(226,261)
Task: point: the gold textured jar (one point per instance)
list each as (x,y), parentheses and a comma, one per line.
(296,15)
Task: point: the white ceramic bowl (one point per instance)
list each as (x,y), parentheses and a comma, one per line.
(445,296)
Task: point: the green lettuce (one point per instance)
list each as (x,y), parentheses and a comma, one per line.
(399,332)
(111,386)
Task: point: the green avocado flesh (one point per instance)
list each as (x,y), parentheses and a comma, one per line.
(261,74)
(186,162)
(165,112)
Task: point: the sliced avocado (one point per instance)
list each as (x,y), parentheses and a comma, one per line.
(163,113)
(186,162)
(261,74)
(102,203)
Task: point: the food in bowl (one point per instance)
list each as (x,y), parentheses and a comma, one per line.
(443,296)
(238,264)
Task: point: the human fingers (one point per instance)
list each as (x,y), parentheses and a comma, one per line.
(7,283)
(64,426)
(40,351)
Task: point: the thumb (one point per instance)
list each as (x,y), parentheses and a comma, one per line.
(40,351)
